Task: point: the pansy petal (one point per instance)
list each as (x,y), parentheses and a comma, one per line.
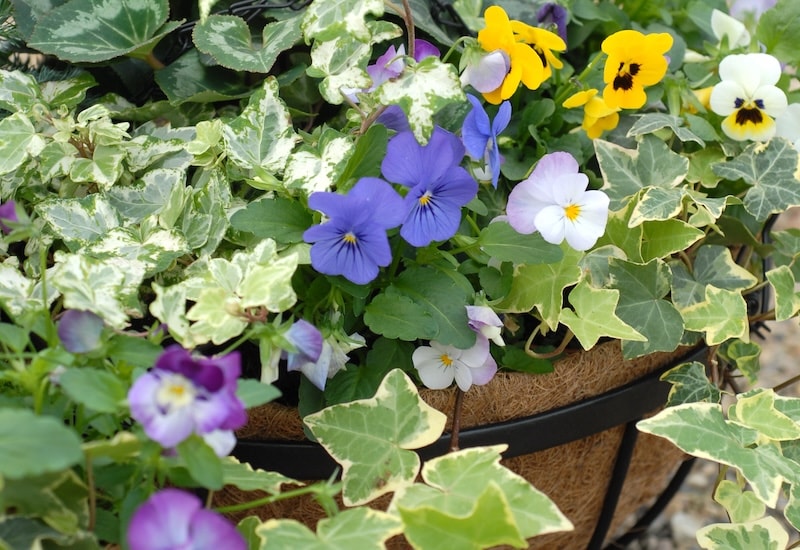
(550,222)
(787,125)
(488,73)
(502,118)
(427,361)
(211,531)
(462,375)
(380,199)
(163,520)
(484,374)
(423,49)
(725,96)
(578,236)
(773,99)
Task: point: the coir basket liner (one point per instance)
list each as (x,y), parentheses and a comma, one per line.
(579,420)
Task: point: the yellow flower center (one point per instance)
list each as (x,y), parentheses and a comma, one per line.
(425,199)
(572,211)
(175,392)
(625,74)
(446,360)
(349,238)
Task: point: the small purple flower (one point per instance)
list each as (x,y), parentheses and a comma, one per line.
(486,71)
(353,242)
(172,519)
(439,186)
(486,323)
(480,134)
(184,394)
(8,213)
(80,331)
(740,8)
(391,63)
(310,357)
(554,14)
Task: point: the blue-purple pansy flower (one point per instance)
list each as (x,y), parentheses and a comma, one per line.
(480,134)
(80,331)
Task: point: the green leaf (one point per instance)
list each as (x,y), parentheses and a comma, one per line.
(89,31)
(18,140)
(395,315)
(721,316)
(319,169)
(657,203)
(700,429)
(642,290)
(787,299)
(628,240)
(104,168)
(663,238)
(742,506)
(770,170)
(202,462)
(27,442)
(253,393)
(14,337)
(516,359)
(370,438)
(744,356)
(261,138)
(362,381)
(714,266)
(370,148)
(421,90)
(542,286)
(96,389)
(60,499)
(123,447)
(134,351)
(763,534)
(652,122)
(68,92)
(690,384)
(700,166)
(503,243)
(327,20)
(595,316)
(361,528)
(792,509)
(456,481)
(778,29)
(280,219)
(757,410)
(341,64)
(20,532)
(155,251)
(147,196)
(19,91)
(227,39)
(187,79)
(243,476)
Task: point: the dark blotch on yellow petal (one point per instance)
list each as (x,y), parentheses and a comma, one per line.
(749,114)
(623,81)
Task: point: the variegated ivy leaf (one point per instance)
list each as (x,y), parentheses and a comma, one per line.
(721,316)
(243,476)
(626,239)
(169,307)
(771,170)
(107,288)
(318,168)
(20,295)
(146,197)
(792,509)
(187,79)
(89,31)
(79,221)
(104,168)
(155,250)
(325,20)
(625,171)
(594,315)
(756,409)
(341,64)
(762,534)
(701,163)
(421,91)
(642,305)
(228,40)
(371,438)
(744,356)
(657,203)
(154,148)
(19,91)
(262,137)
(652,122)
(361,528)
(19,141)
(713,265)
(68,92)
(541,287)
(204,221)
(690,384)
(741,505)
(701,430)
(455,482)
(787,299)
(661,239)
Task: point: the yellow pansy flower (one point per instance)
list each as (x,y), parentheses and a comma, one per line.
(543,43)
(635,60)
(525,64)
(597,115)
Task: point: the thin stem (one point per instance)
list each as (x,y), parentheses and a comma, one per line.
(567,90)
(550,354)
(453,48)
(786,383)
(456,420)
(408,17)
(92,496)
(307,490)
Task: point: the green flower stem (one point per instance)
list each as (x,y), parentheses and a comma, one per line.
(550,354)
(456,44)
(571,85)
(92,495)
(307,490)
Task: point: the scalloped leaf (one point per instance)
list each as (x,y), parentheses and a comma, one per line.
(652,122)
(757,410)
(787,299)
(243,476)
(721,316)
(280,219)
(763,534)
(594,316)
(27,442)
(457,481)
(327,20)
(341,64)
(713,265)
(421,91)
(361,528)
(370,438)
(502,242)
(771,171)
(690,384)
(228,40)
(741,505)
(395,315)
(89,31)
(79,221)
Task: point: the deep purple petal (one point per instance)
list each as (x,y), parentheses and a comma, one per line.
(211,531)
(554,14)
(80,331)
(201,371)
(163,521)
(423,49)
(8,213)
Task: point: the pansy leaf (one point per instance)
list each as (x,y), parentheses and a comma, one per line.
(642,305)
(762,534)
(361,528)
(421,91)
(202,462)
(721,316)
(326,20)
(106,29)
(371,438)
(771,171)
(27,442)
(227,39)
(456,481)
(319,169)
(701,430)
(253,393)
(665,237)
(262,137)
(690,384)
(280,219)
(59,498)
(243,476)
(741,505)
(503,243)
(595,316)
(787,298)
(395,315)
(778,28)
(541,287)
(95,389)
(757,410)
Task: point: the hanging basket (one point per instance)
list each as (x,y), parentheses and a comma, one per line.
(571,433)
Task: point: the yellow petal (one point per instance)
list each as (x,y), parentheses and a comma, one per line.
(579,98)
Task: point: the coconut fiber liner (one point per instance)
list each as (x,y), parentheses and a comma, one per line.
(574,475)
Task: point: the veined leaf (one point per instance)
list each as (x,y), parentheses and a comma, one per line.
(756,409)
(341,63)
(319,169)
(243,476)
(652,122)
(27,442)
(762,534)
(787,299)
(713,265)
(188,80)
(19,140)
(502,242)
(741,505)
(721,316)
(690,384)
(327,20)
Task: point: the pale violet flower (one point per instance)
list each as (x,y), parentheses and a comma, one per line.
(725,26)
(486,72)
(554,201)
(747,96)
(484,321)
(80,331)
(788,125)
(739,8)
(438,365)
